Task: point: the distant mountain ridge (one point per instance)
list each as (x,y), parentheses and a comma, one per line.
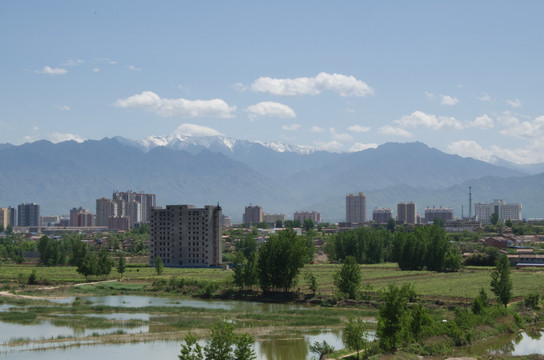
(236,173)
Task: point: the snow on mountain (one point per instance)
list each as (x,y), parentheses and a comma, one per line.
(215,142)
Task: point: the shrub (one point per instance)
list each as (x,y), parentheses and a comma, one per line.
(531,301)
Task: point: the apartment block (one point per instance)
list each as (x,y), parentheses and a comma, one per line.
(4,217)
(253,215)
(445,214)
(356,208)
(505,211)
(185,236)
(406,213)
(272,219)
(382,216)
(28,214)
(303,215)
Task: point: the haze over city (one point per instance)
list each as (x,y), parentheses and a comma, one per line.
(463,77)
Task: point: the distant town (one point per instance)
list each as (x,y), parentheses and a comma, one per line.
(128,209)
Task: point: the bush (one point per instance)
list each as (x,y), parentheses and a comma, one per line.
(531,301)
(32,278)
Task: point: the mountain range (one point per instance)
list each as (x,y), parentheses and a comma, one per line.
(235,173)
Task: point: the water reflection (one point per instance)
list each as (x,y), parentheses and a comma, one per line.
(133,301)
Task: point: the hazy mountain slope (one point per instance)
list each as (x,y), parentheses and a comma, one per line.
(65,175)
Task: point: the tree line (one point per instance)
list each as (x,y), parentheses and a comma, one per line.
(425,247)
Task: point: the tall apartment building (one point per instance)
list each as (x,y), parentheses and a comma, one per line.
(253,215)
(445,214)
(356,208)
(183,235)
(272,219)
(382,216)
(5,217)
(12,216)
(303,215)
(104,210)
(406,213)
(81,217)
(28,214)
(505,211)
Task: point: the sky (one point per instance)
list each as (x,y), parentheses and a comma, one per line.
(465,77)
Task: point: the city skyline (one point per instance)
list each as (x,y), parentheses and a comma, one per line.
(462,77)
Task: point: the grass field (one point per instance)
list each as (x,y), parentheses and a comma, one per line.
(464,284)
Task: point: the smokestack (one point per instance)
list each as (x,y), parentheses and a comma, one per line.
(470,202)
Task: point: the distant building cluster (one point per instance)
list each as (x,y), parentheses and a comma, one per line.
(254,214)
(124,210)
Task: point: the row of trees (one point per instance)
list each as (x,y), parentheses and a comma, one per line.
(424,247)
(275,265)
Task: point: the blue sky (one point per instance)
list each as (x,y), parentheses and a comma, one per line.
(465,77)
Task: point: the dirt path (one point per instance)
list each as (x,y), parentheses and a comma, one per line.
(49,288)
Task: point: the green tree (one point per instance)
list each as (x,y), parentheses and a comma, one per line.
(247,245)
(392,317)
(508,223)
(243,347)
(355,336)
(312,282)
(348,278)
(89,266)
(308,225)
(501,284)
(121,265)
(391,225)
(480,303)
(190,349)
(494,218)
(225,345)
(50,252)
(321,349)
(280,260)
(159,266)
(219,347)
(279,223)
(105,263)
(79,250)
(419,318)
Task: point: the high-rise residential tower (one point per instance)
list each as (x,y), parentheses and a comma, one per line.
(183,235)
(356,208)
(28,214)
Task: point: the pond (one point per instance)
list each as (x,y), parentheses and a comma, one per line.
(277,347)
(134,301)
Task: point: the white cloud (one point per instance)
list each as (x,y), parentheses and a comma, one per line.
(332,146)
(106,60)
(390,130)
(482,122)
(485,98)
(149,101)
(270,109)
(514,103)
(421,119)
(360,147)
(340,136)
(532,153)
(52,71)
(448,100)
(239,87)
(195,130)
(134,68)
(317,129)
(528,130)
(293,127)
(343,85)
(444,99)
(63,107)
(469,148)
(57,137)
(73,62)
(96,70)
(358,128)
